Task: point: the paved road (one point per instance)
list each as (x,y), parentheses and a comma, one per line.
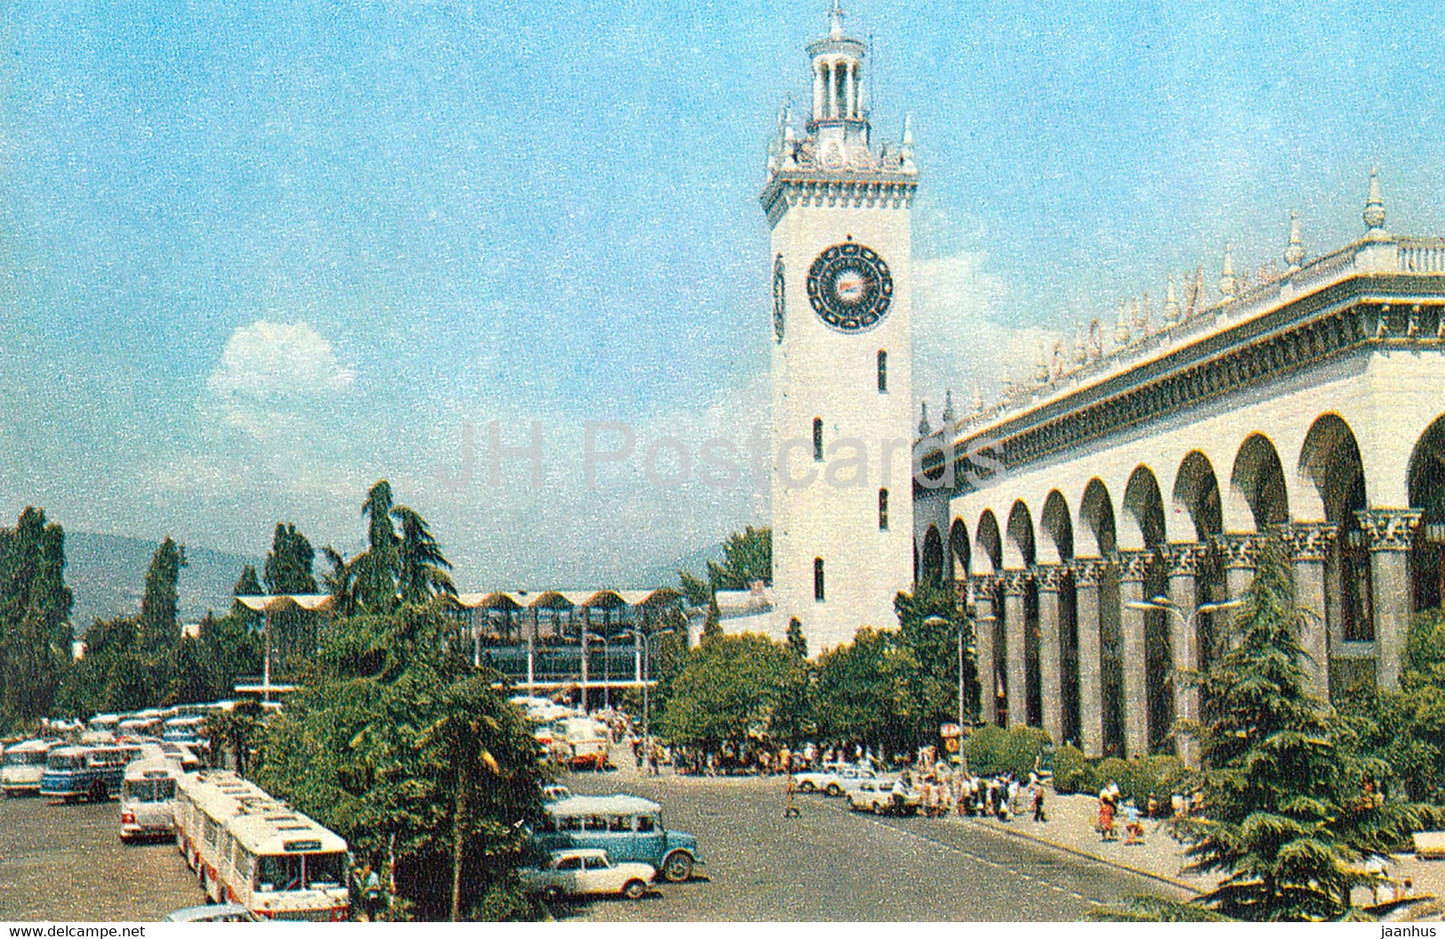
(832,864)
(66,863)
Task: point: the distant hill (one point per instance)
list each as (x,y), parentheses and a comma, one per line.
(694,563)
(107,575)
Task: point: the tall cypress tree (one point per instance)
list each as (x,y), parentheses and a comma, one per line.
(34,606)
(158,627)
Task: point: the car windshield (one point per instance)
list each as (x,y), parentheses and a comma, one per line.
(149,790)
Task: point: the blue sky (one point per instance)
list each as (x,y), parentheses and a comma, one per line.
(253,259)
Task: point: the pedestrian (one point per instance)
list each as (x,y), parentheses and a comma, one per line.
(1106,816)
(791,809)
(369,886)
(1133,827)
(1039,815)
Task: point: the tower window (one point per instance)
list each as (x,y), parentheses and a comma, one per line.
(818,579)
(818,439)
(882,372)
(882,509)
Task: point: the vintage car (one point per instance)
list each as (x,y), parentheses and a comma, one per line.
(587,872)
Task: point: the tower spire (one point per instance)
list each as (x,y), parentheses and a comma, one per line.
(835,20)
(1374,214)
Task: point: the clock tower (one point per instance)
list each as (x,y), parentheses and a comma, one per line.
(841,265)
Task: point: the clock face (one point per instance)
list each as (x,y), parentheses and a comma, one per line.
(850,287)
(779,301)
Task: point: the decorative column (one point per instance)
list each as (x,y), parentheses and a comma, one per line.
(818,91)
(1133,566)
(983,626)
(1184,561)
(1241,555)
(1308,543)
(1391,533)
(1015,626)
(849,95)
(1091,697)
(1050,578)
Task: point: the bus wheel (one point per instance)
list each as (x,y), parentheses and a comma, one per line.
(97,791)
(677,867)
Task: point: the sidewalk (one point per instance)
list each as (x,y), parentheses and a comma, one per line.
(1070,828)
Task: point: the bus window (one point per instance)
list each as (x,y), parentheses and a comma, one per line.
(622,823)
(596,823)
(278,873)
(569,823)
(645,823)
(212,831)
(325,870)
(548,823)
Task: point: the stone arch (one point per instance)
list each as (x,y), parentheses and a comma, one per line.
(1095,533)
(1258,496)
(1019,548)
(1144,508)
(1196,492)
(989,543)
(1426,488)
(1057,526)
(958,549)
(1056,529)
(1334,474)
(933,556)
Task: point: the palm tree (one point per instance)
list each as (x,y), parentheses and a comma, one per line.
(340,583)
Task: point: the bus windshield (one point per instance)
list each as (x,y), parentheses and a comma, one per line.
(25,758)
(282,872)
(65,762)
(149,790)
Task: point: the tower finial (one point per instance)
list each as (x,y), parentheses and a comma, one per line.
(1374,214)
(1294,252)
(923,417)
(1228,283)
(948,408)
(1171,304)
(835,20)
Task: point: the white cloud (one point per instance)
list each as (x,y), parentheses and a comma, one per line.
(958,337)
(269,360)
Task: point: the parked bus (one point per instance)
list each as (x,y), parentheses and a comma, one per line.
(251,849)
(186,729)
(147,799)
(24,765)
(627,827)
(94,773)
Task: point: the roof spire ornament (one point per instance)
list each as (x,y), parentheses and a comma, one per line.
(1121,326)
(1228,283)
(977,398)
(1171,304)
(1081,345)
(1294,252)
(1374,214)
(835,20)
(948,407)
(923,419)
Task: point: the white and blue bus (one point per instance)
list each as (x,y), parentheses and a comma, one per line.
(628,828)
(93,773)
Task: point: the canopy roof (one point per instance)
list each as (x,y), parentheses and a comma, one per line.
(287,601)
(566,599)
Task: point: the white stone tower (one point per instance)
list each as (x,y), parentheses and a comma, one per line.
(842,363)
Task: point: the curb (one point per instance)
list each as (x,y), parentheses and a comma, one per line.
(1078,852)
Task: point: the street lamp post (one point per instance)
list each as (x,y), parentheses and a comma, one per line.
(606,674)
(646,646)
(1164,603)
(934,622)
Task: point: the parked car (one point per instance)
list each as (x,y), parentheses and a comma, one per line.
(832,780)
(876,796)
(587,872)
(212,913)
(555,792)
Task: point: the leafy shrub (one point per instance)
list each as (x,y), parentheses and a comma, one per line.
(1157,775)
(1073,772)
(992,750)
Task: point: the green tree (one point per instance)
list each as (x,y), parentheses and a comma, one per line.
(288,565)
(340,583)
(158,627)
(929,620)
(34,606)
(712,623)
(868,690)
(422,568)
(397,747)
(795,638)
(379,566)
(1286,816)
(694,589)
(747,558)
(729,687)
